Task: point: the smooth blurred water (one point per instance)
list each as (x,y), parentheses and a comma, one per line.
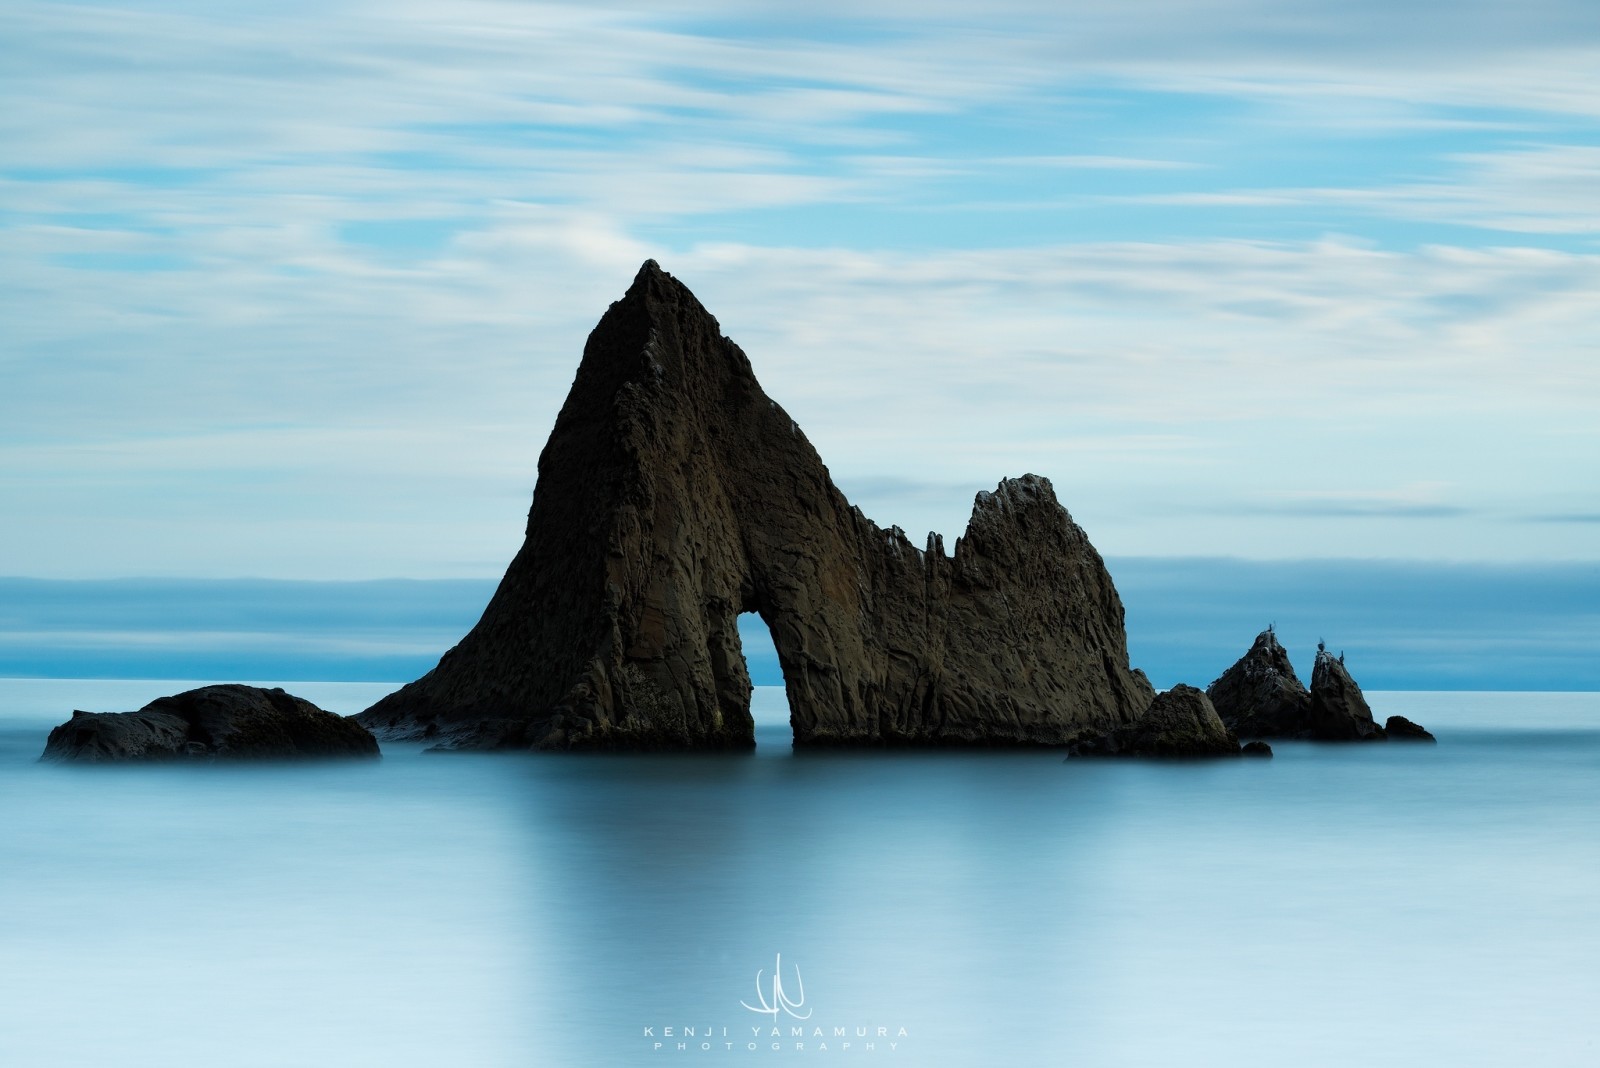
(1362,905)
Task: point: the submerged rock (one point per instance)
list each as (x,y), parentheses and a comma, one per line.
(1256,748)
(673,495)
(229,722)
(1339,711)
(1180,722)
(1260,696)
(1400,729)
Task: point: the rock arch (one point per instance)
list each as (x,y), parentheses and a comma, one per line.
(673,495)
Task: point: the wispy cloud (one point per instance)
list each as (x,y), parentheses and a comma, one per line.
(277,280)
(1110,367)
(1418,501)
(1528,190)
(1566,517)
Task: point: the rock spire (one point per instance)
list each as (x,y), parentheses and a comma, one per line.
(1260,696)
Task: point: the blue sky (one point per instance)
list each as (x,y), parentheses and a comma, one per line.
(295,290)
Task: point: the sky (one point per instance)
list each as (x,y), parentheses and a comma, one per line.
(294,291)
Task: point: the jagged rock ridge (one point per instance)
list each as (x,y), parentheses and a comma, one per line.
(673,495)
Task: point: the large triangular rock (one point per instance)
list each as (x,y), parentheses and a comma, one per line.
(674,495)
(1260,696)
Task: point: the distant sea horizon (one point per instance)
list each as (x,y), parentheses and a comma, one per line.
(1403,625)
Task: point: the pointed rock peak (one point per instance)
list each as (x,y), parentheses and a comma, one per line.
(1266,641)
(1260,696)
(653,285)
(1267,655)
(658,332)
(656,297)
(1329,671)
(1339,710)
(649,272)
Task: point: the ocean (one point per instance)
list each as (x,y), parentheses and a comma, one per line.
(1336,905)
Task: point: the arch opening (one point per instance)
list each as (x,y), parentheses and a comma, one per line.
(769,704)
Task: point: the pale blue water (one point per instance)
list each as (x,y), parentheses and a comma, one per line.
(1377,905)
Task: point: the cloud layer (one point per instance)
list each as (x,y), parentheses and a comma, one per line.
(297,290)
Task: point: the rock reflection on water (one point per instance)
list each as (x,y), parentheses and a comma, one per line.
(999,907)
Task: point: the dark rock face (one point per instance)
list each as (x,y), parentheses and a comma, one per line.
(1255,749)
(1400,729)
(1179,723)
(674,495)
(1260,696)
(212,723)
(1339,711)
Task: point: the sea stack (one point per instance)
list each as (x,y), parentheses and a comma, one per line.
(213,723)
(1339,711)
(1260,696)
(674,495)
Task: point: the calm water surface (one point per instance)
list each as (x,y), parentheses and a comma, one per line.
(1404,905)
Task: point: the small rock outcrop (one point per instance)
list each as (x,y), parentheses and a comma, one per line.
(1256,748)
(1260,696)
(229,722)
(674,495)
(1179,723)
(1400,729)
(1339,711)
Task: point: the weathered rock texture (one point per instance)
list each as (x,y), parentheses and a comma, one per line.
(1179,723)
(212,723)
(1339,711)
(1260,696)
(674,495)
